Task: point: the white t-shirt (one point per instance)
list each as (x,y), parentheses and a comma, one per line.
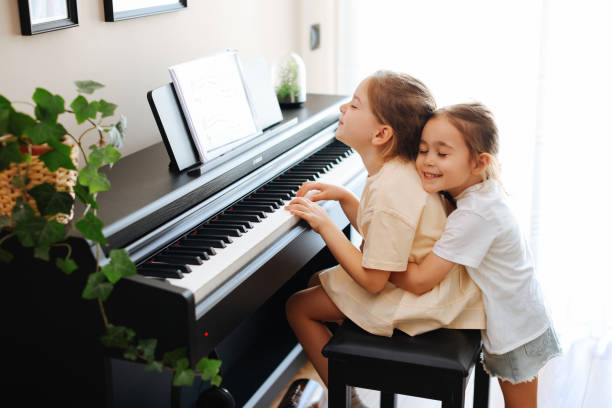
(483,234)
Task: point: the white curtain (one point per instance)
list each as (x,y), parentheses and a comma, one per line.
(544,67)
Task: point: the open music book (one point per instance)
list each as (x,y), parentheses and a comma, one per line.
(215,102)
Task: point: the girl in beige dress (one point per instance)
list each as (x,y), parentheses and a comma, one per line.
(397,219)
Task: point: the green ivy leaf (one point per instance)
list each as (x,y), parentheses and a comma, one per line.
(19,123)
(91,228)
(84,110)
(42,252)
(5,256)
(4,103)
(5,115)
(48,106)
(89,177)
(66,265)
(208,367)
(131,353)
(183,374)
(22,211)
(5,221)
(52,232)
(43,132)
(88,87)
(154,366)
(58,156)
(97,287)
(106,108)
(147,348)
(171,357)
(118,337)
(9,154)
(49,201)
(28,230)
(216,380)
(82,193)
(120,266)
(103,155)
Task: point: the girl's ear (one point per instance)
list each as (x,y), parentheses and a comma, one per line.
(481,164)
(384,134)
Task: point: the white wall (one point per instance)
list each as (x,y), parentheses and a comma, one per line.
(321,63)
(131,57)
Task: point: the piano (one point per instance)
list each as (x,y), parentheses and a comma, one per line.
(217,257)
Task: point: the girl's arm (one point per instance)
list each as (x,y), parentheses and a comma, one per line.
(323,191)
(349,257)
(423,277)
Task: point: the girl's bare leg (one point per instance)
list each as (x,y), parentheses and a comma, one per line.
(521,395)
(306,310)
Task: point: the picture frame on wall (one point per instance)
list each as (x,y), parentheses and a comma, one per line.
(116,10)
(41,16)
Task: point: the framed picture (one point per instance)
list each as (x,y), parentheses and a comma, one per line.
(115,10)
(40,16)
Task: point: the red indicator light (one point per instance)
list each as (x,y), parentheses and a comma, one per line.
(205,333)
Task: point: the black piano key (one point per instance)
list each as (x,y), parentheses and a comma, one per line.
(274,196)
(179,258)
(210,229)
(302,173)
(196,245)
(240,217)
(253,207)
(160,273)
(203,255)
(262,201)
(151,264)
(274,186)
(242,225)
(233,211)
(207,234)
(294,179)
(204,242)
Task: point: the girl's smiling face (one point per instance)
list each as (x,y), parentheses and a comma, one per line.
(444,161)
(357,124)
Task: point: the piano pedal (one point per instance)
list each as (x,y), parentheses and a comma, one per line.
(216,397)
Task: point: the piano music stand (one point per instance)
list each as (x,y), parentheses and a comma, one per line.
(173,129)
(177,138)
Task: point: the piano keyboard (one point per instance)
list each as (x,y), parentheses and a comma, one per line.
(203,259)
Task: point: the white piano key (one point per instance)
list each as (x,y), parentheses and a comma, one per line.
(212,273)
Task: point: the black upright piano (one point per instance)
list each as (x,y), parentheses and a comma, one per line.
(217,257)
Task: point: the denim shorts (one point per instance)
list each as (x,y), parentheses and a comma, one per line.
(523,363)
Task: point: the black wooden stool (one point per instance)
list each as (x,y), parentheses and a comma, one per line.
(434,365)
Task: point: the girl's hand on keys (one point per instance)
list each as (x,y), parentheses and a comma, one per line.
(313,213)
(316,191)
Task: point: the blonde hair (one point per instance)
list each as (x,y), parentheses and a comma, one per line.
(477,125)
(405,104)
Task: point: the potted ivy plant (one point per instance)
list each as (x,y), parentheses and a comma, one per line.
(38,214)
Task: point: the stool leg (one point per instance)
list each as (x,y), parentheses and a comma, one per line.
(388,400)
(456,396)
(339,395)
(481,386)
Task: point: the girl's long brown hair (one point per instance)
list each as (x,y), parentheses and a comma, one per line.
(405,104)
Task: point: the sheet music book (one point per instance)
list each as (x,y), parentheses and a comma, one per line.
(215,102)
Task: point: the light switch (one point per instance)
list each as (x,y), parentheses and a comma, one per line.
(315,36)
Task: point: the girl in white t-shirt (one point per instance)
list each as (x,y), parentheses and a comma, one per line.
(457,156)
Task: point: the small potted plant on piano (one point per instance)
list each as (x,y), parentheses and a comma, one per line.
(39,183)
